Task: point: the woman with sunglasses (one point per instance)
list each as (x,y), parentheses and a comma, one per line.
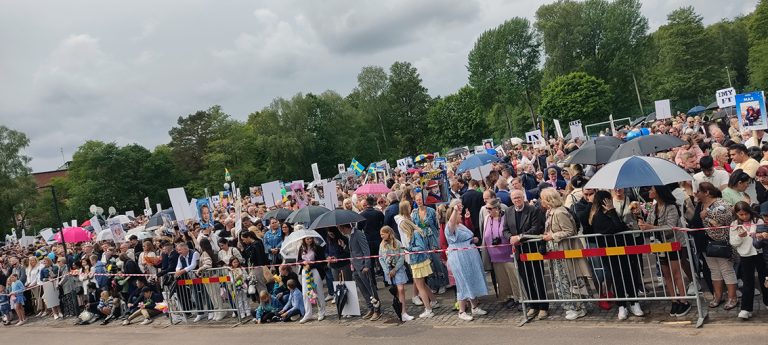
(499,252)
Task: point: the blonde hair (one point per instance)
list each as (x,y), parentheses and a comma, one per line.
(405,209)
(451,208)
(552,198)
(409,227)
(391,241)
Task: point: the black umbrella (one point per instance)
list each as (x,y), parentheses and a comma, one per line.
(340,296)
(280,214)
(306,215)
(335,218)
(637,121)
(397,306)
(591,153)
(651,117)
(646,145)
(155,221)
(608,141)
(712,106)
(456,151)
(722,113)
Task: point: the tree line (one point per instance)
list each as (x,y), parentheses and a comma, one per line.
(577,60)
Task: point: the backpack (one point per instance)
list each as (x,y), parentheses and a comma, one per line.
(577,208)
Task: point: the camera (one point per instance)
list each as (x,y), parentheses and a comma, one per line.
(496,241)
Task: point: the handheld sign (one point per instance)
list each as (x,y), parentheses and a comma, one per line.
(558,129)
(663,109)
(576,130)
(534,137)
(315,172)
(726,97)
(750,109)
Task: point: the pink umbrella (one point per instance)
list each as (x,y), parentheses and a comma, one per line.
(372,188)
(73,235)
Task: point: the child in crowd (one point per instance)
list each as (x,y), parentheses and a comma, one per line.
(241,287)
(106,307)
(295,305)
(17,297)
(5,306)
(266,311)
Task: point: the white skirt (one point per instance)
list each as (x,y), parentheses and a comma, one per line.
(50,295)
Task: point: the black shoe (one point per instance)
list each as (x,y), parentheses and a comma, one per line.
(684,308)
(511,303)
(675,309)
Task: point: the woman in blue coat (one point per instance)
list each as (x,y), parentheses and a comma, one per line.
(465,262)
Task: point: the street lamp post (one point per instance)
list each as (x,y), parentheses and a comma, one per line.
(58,218)
(727,71)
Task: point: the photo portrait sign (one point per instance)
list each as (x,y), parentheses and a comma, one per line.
(750,109)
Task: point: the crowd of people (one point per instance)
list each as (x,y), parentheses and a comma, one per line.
(530,201)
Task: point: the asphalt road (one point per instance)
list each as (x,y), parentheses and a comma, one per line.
(736,334)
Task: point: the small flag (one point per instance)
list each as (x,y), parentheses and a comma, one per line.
(356,166)
(372,168)
(227,176)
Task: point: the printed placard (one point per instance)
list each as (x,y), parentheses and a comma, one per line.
(663,109)
(750,109)
(726,97)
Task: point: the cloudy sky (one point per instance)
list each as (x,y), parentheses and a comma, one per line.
(123,71)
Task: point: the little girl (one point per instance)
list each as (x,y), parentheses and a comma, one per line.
(17,297)
(742,230)
(5,306)
(241,287)
(266,312)
(106,306)
(392,261)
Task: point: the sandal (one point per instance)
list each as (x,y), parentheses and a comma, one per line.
(731,304)
(715,304)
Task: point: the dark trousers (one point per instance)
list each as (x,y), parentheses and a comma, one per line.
(750,264)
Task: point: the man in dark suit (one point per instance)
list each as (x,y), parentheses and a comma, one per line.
(363,275)
(519,220)
(473,201)
(391,211)
(374,221)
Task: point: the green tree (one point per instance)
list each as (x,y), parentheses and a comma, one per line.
(730,49)
(684,71)
(16,184)
(456,120)
(758,47)
(575,96)
(406,104)
(368,96)
(189,140)
(503,68)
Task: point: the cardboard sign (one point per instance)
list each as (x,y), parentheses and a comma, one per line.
(558,129)
(180,204)
(479,149)
(663,109)
(750,109)
(146,204)
(159,207)
(534,137)
(96,225)
(272,194)
(576,130)
(402,164)
(341,168)
(315,172)
(726,97)
(118,233)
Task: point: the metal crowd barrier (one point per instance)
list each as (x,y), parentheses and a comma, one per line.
(636,266)
(210,291)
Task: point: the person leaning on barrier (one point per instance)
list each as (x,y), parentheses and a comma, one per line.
(559,226)
(605,220)
(716,213)
(522,219)
(666,214)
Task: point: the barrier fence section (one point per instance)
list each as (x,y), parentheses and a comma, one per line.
(624,268)
(210,293)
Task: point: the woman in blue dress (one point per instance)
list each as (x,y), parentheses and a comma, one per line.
(465,262)
(426,218)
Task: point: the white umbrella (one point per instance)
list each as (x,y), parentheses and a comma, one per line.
(515,141)
(140,232)
(105,235)
(637,171)
(291,244)
(123,219)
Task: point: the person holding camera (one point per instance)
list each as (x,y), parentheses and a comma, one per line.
(499,252)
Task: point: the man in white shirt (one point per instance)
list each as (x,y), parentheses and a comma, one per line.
(718,178)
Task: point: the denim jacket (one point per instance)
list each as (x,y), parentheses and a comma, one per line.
(418,243)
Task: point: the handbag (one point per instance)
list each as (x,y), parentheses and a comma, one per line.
(719,249)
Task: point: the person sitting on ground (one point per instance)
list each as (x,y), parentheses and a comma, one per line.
(266,310)
(295,305)
(146,307)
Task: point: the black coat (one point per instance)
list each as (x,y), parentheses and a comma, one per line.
(372,224)
(255,254)
(609,223)
(389,216)
(531,223)
(473,200)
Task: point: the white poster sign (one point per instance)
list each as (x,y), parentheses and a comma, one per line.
(402,164)
(479,149)
(558,129)
(180,204)
(330,198)
(146,204)
(315,172)
(96,225)
(271,192)
(534,137)
(159,207)
(118,233)
(576,130)
(130,214)
(726,97)
(663,109)
(341,168)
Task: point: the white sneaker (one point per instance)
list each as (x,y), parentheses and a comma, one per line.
(426,314)
(574,314)
(219,316)
(745,315)
(636,310)
(55,316)
(465,316)
(434,304)
(328,298)
(304,320)
(146,321)
(211,316)
(417,300)
(441,290)
(126,323)
(623,313)
(321,317)
(234,314)
(478,311)
(198,319)
(407,317)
